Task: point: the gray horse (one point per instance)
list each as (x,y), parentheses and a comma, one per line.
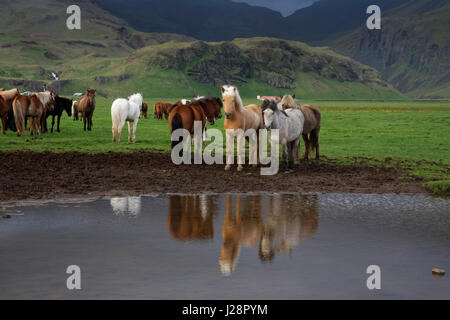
(290,125)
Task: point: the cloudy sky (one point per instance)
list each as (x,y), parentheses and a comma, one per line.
(286,7)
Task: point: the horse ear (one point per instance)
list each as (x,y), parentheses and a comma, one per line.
(234,89)
(293,96)
(223,89)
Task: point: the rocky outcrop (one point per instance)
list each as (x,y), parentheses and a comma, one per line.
(272,61)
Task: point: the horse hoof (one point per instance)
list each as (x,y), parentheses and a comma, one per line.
(227,168)
(240,169)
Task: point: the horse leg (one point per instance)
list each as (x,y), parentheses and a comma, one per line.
(230,146)
(3,124)
(296,150)
(240,151)
(121,124)
(129,131)
(306,140)
(84,120)
(135,123)
(53,123)
(57,125)
(285,153)
(316,141)
(90,120)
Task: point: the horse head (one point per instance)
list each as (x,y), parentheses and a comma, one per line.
(269,108)
(288,101)
(232,101)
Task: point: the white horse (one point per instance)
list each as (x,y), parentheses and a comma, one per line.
(123,110)
(290,125)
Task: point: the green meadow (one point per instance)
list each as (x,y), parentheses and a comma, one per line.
(413,135)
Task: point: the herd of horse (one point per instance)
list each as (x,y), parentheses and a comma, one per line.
(292,120)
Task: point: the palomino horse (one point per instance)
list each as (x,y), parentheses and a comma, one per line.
(242,225)
(61,104)
(311,128)
(87,106)
(239,119)
(144,109)
(126,110)
(28,106)
(6,111)
(290,126)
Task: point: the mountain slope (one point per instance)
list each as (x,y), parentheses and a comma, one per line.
(111,56)
(412,50)
(210,20)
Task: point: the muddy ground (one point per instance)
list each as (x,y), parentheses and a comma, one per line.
(29,175)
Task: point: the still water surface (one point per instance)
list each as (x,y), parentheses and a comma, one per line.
(283,246)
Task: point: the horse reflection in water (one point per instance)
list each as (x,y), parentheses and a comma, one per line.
(289,218)
(191,217)
(126,205)
(243,225)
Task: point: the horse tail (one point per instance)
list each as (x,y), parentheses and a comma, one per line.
(177,123)
(10,121)
(18,115)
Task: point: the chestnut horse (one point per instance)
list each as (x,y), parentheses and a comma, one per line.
(144,109)
(87,106)
(6,111)
(162,109)
(311,128)
(28,106)
(184,117)
(239,119)
(48,102)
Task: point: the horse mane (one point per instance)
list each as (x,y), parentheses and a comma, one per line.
(136,98)
(9,94)
(289,102)
(230,91)
(272,104)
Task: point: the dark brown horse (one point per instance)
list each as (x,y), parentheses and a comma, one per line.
(214,107)
(6,111)
(311,128)
(144,109)
(87,106)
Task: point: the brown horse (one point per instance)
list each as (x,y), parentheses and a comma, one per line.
(311,128)
(87,106)
(214,106)
(47,99)
(144,109)
(162,109)
(191,217)
(185,116)
(31,107)
(6,113)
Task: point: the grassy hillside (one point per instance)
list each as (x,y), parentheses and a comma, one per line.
(412,50)
(115,59)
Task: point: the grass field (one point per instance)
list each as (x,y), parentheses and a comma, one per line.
(414,135)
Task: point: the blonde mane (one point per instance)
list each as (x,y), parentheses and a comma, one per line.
(9,94)
(230,91)
(289,102)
